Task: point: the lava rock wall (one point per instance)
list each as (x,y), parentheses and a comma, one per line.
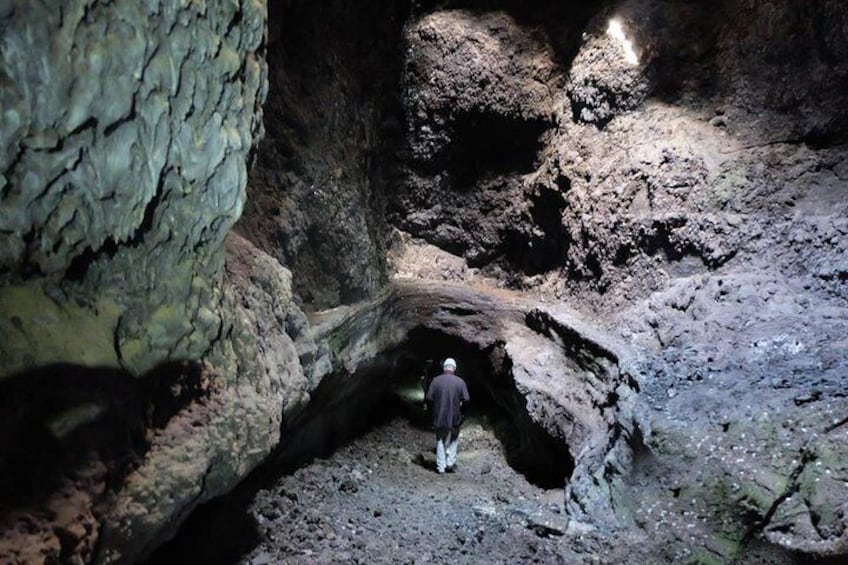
(528,156)
(678,170)
(125,132)
(318,188)
(124,140)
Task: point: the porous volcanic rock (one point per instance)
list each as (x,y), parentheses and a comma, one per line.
(478,103)
(254,383)
(317,188)
(692,203)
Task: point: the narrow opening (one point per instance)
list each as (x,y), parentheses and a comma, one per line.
(543,244)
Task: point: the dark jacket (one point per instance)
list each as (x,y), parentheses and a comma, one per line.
(446,394)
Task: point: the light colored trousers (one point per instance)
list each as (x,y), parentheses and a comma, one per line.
(447,443)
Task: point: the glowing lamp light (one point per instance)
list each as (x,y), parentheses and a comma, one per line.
(616,31)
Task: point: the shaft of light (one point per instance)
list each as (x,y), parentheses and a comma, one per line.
(616,31)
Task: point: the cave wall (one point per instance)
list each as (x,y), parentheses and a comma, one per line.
(317,189)
(554,186)
(125,133)
(128,356)
(692,203)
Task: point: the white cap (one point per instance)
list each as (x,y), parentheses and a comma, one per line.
(449,362)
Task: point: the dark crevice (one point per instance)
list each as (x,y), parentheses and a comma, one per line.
(759,523)
(540,244)
(234,22)
(489,145)
(585,352)
(836,426)
(819,139)
(90,123)
(218,532)
(55,180)
(81,263)
(10,170)
(29,269)
(660,239)
(147,223)
(130,117)
(584,111)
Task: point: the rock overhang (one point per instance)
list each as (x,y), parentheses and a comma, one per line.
(563,376)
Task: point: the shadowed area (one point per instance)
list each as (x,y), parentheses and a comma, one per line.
(71,434)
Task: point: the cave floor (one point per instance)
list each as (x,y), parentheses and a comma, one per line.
(379,500)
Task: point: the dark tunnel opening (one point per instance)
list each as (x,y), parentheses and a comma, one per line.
(495,401)
(345,407)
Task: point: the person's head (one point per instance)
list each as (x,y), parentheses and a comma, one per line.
(449,366)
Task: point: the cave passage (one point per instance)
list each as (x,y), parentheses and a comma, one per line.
(344,407)
(381,393)
(495,402)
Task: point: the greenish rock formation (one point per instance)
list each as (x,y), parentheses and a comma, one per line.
(124,138)
(123,165)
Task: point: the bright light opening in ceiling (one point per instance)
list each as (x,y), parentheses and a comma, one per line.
(617,33)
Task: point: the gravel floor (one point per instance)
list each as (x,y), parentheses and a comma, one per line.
(379,500)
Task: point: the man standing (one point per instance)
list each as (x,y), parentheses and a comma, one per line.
(446,395)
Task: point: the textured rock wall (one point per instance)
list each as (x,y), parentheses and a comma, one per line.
(478,103)
(693,203)
(317,190)
(555,185)
(125,132)
(255,384)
